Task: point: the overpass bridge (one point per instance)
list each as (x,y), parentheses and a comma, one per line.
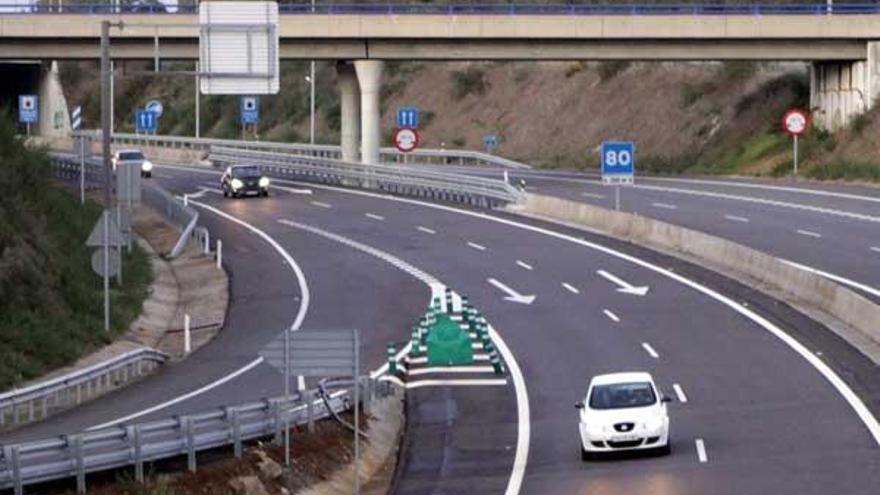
(840,42)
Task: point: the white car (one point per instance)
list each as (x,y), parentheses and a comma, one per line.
(133,156)
(623,411)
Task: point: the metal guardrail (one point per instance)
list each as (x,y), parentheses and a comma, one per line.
(387,155)
(380,8)
(41,400)
(409,181)
(68,168)
(134,445)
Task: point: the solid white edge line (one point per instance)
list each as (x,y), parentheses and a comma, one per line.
(650,350)
(856,403)
(613,317)
(187,396)
(809,233)
(736,218)
(476,246)
(679,392)
(525,265)
(836,278)
(570,288)
(701,451)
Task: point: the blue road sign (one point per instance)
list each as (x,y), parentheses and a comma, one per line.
(250,110)
(145,121)
(154,106)
(618,160)
(28,109)
(490,142)
(408,117)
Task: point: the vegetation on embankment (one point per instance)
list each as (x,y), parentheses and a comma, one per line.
(51,303)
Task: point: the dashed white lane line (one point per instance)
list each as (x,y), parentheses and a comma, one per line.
(875,249)
(735,218)
(665,206)
(594,196)
(650,350)
(426,230)
(525,265)
(476,246)
(701,451)
(320,204)
(374,216)
(613,317)
(679,392)
(808,233)
(570,288)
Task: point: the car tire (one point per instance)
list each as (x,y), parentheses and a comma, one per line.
(585,456)
(265,194)
(665,450)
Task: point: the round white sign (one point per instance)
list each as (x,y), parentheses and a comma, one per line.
(795,122)
(406,139)
(154,106)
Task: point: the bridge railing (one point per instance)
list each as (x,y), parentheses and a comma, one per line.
(397,179)
(134,445)
(380,8)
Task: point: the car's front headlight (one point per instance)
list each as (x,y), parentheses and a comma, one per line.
(264,182)
(237,184)
(147,166)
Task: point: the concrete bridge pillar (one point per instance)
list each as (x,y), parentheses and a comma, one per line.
(54,115)
(840,91)
(369,74)
(350,114)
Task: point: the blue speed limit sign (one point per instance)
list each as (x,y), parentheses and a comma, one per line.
(618,161)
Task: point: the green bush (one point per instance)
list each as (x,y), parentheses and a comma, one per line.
(845,170)
(471,80)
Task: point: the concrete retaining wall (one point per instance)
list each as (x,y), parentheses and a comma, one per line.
(798,287)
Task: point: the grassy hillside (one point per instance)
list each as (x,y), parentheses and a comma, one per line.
(51,303)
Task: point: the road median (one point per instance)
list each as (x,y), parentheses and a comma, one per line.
(850,315)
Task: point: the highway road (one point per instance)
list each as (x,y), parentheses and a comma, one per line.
(767,400)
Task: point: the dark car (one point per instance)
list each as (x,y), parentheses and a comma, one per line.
(241,180)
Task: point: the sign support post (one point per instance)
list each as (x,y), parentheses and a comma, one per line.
(795,153)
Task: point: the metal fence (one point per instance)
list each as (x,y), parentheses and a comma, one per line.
(403,180)
(383,8)
(134,445)
(387,155)
(39,401)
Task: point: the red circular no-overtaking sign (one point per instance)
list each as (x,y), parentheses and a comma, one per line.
(406,139)
(795,122)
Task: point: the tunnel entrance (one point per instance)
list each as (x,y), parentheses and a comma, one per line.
(16,79)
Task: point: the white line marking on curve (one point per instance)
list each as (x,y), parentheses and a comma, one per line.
(613,317)
(679,392)
(591,195)
(478,247)
(525,265)
(650,350)
(836,278)
(320,204)
(809,233)
(701,451)
(665,206)
(875,249)
(570,288)
(374,216)
(523,438)
(735,218)
(426,230)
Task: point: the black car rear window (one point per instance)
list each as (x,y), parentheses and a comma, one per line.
(246,172)
(131,155)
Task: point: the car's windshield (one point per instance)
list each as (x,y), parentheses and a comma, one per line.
(622,395)
(245,172)
(131,155)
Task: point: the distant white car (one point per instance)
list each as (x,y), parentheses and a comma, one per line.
(133,156)
(623,411)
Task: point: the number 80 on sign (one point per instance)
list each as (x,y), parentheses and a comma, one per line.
(618,161)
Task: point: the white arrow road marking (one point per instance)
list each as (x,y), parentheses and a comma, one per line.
(611,316)
(701,451)
(202,191)
(735,218)
(625,287)
(809,233)
(525,265)
(680,393)
(570,288)
(512,295)
(650,350)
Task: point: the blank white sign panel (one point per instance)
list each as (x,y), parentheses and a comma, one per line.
(238,38)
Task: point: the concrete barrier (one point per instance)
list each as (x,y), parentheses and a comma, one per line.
(797,287)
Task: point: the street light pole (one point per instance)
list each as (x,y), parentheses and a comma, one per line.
(105,154)
(312,96)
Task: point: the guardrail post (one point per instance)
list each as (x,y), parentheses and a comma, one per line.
(219,254)
(368,394)
(137,448)
(186,424)
(80,461)
(11,453)
(187,335)
(275,414)
(236,431)
(311,396)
